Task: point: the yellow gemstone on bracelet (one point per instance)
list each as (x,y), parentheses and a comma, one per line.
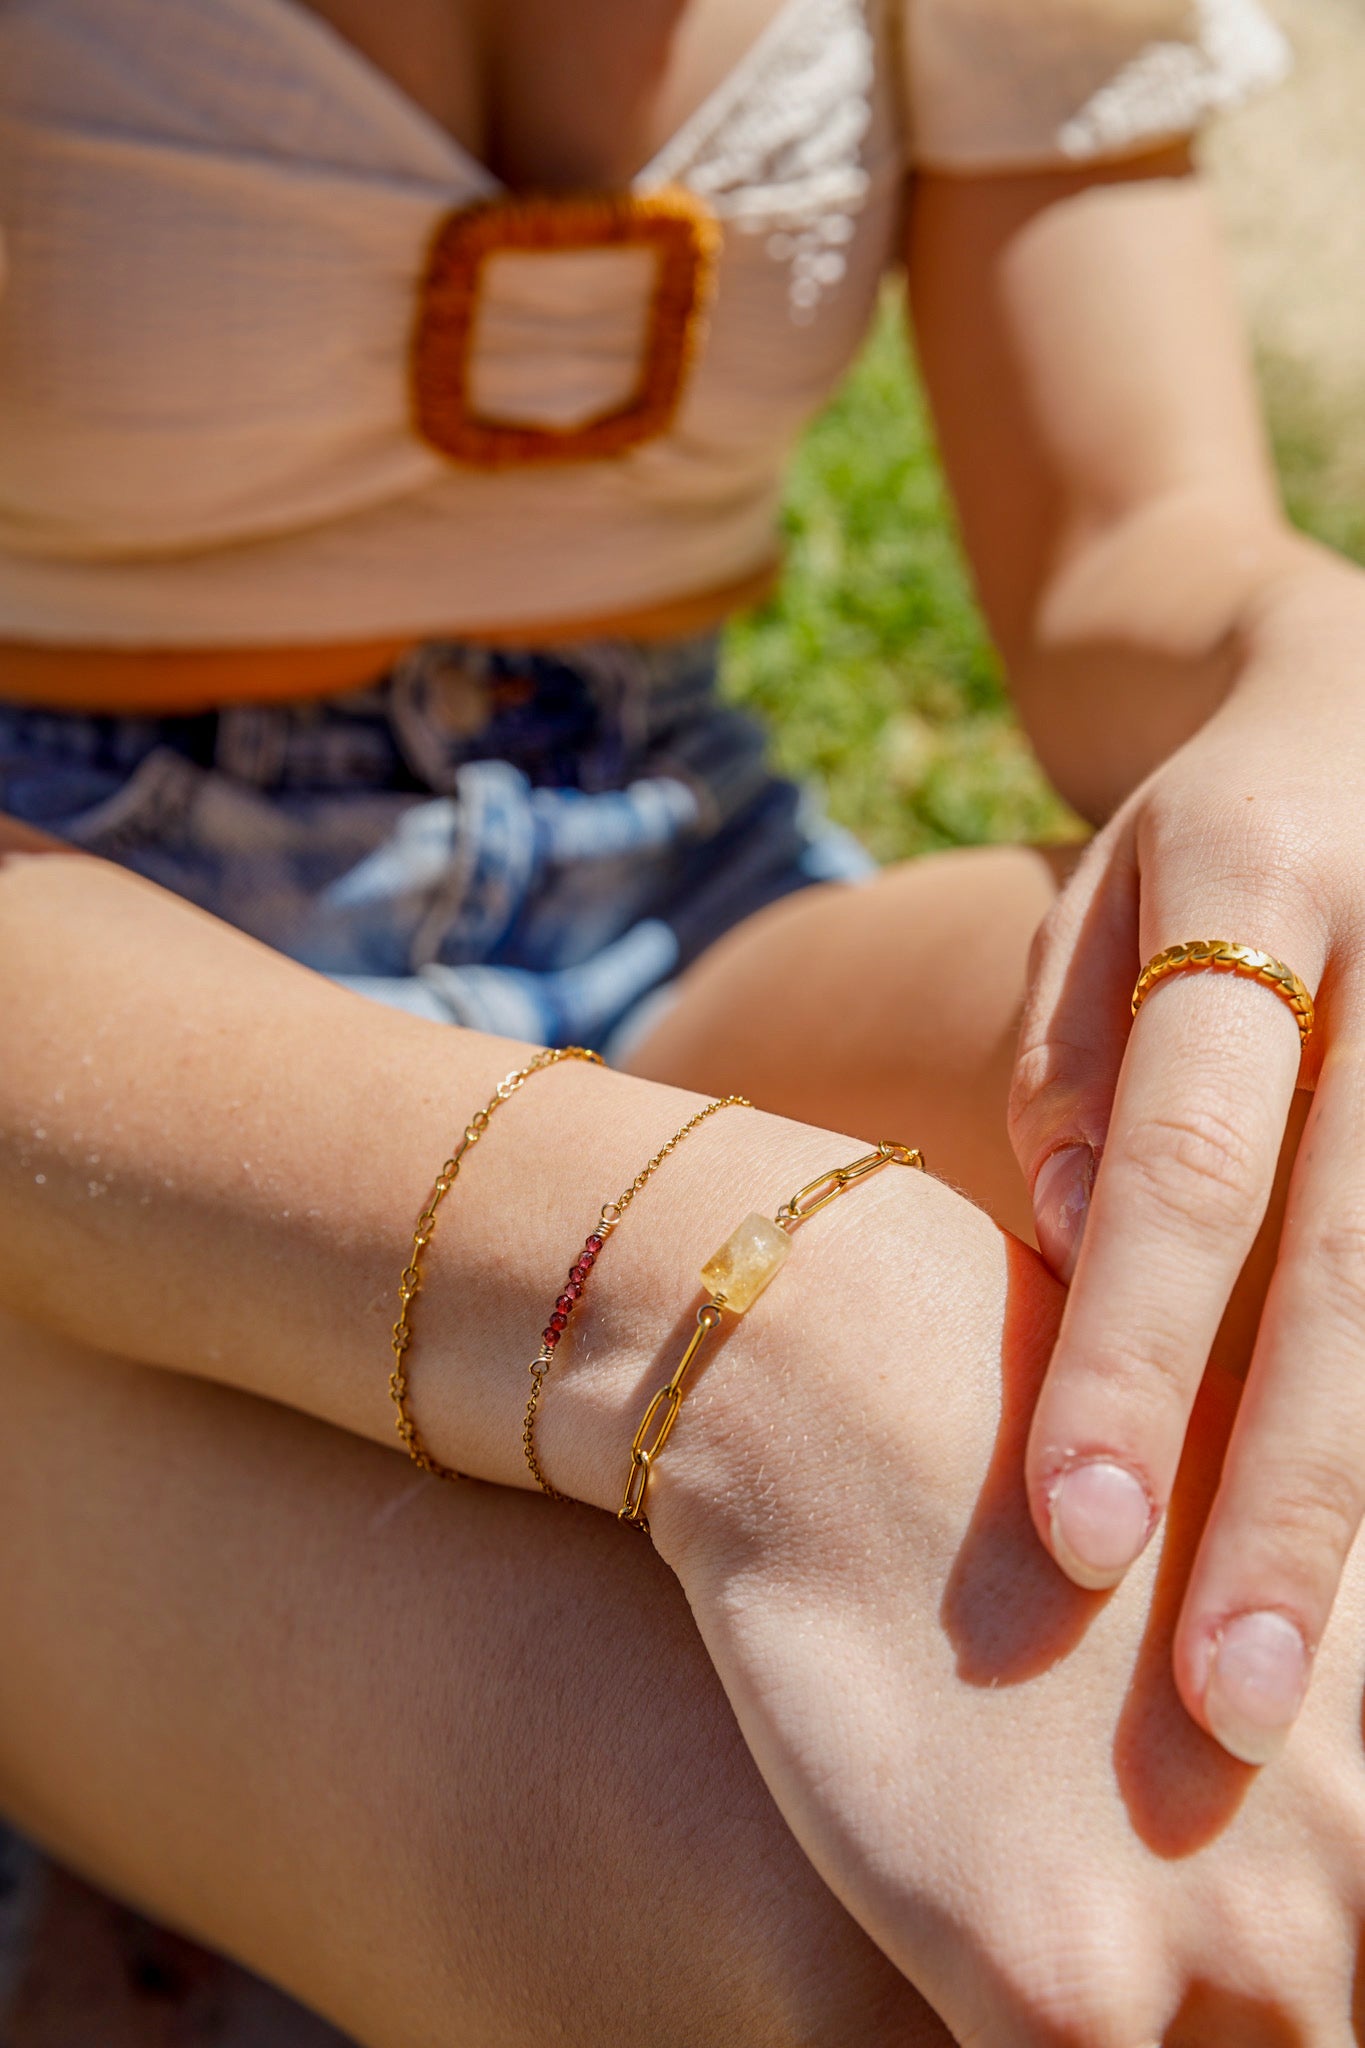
(746,1262)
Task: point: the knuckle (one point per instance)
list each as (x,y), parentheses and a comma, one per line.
(1258,844)
(1198,1166)
(1043,1082)
(1072,1983)
(1309,1517)
(1052,1092)
(1336,1263)
(1265,856)
(1150,1372)
(1040,1072)
(1050,932)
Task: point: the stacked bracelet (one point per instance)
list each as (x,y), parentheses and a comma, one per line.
(735,1276)
(410,1282)
(572,1292)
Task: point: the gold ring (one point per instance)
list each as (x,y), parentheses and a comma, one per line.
(1226,958)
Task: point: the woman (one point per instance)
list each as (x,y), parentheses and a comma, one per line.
(536,840)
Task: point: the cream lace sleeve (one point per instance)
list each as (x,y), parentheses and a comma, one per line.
(1004,84)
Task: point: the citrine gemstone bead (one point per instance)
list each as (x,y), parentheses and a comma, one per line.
(746,1262)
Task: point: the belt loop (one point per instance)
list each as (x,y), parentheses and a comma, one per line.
(252,743)
(439,698)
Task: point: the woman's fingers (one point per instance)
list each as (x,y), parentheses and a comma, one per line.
(1071,1043)
(1191,1109)
(1293,1486)
(1189,1162)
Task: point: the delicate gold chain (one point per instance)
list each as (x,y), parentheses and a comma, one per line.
(762,1263)
(410,1282)
(608,1218)
(623,1201)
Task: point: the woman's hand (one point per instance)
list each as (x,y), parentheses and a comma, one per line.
(989,1766)
(1254,831)
(1193,673)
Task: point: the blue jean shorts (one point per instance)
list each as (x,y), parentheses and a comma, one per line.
(532,843)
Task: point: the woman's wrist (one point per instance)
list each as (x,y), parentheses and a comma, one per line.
(894,1294)
(186,1185)
(258,1190)
(634,1321)
(1300,632)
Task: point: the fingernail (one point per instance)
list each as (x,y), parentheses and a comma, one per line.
(1061,1203)
(1258,1675)
(1101,1519)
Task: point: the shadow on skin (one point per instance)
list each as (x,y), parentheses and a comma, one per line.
(1206,2016)
(1008,1611)
(1180,1788)
(1011,1615)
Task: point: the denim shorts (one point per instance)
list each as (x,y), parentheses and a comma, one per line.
(532,843)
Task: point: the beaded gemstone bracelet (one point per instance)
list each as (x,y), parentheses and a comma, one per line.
(572,1291)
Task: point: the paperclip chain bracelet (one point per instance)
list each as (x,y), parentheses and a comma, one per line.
(410,1282)
(571,1293)
(734,1277)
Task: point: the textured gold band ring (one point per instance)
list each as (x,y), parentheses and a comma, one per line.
(1223,957)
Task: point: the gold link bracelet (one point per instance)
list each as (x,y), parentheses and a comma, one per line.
(735,1276)
(410,1282)
(609,1216)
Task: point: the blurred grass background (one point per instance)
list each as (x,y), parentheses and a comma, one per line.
(872,665)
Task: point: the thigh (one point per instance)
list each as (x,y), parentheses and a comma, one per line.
(887,1010)
(447,1763)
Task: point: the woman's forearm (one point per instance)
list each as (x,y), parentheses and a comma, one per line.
(212,1160)
(1141,636)
(1116,496)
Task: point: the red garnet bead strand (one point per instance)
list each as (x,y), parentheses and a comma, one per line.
(572,1294)
(572,1291)
(567,1301)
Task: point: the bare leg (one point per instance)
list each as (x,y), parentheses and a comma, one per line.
(447,1763)
(889,1010)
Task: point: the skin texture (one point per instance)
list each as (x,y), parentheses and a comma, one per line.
(447,1763)
(1142,1889)
(1110,473)
(843,1506)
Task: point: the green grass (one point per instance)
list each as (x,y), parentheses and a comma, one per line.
(872,666)
(1323,498)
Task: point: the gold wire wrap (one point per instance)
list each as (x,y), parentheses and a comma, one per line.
(1224,956)
(656,1428)
(609,1216)
(410,1281)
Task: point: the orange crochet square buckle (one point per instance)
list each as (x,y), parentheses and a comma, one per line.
(675,225)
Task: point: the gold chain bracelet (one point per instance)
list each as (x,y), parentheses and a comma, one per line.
(609,1216)
(734,1277)
(410,1282)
